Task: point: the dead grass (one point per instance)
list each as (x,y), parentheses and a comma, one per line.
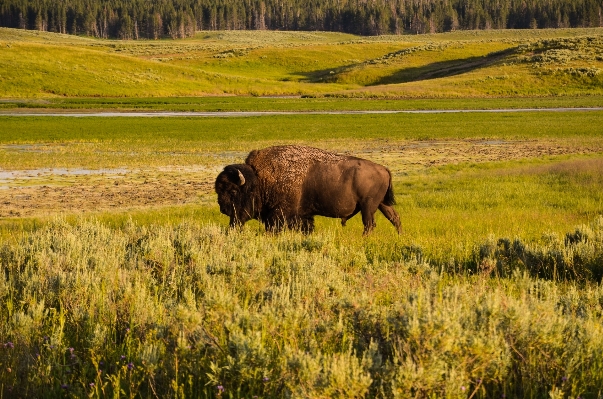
(54,194)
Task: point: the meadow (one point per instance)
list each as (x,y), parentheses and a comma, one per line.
(120,278)
(464,64)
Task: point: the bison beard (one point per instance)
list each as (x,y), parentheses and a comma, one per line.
(286,186)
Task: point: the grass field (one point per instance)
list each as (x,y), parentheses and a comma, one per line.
(38,65)
(119,277)
(250,104)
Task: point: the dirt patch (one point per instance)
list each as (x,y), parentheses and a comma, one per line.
(416,155)
(86,193)
(7,176)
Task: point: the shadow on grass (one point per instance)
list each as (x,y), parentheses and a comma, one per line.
(442,69)
(434,70)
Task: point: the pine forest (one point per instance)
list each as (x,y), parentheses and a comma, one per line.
(137,19)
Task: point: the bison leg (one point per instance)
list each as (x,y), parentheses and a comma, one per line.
(307,225)
(303,224)
(233,222)
(391,215)
(274,224)
(274,227)
(368,217)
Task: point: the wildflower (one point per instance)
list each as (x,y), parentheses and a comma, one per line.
(220,389)
(463,388)
(130,366)
(9,345)
(71,350)
(564,378)
(91,385)
(122,357)
(65,386)
(127,330)
(266,379)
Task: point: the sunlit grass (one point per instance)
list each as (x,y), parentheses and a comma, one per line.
(492,290)
(458,64)
(239,132)
(192,309)
(211,104)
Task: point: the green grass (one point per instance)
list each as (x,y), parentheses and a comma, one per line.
(481,295)
(453,65)
(211,104)
(446,210)
(492,289)
(234,133)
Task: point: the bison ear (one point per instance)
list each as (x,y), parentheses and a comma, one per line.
(241,178)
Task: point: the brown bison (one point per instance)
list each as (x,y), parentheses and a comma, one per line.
(289,185)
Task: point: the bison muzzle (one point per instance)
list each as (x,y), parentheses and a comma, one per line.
(286,186)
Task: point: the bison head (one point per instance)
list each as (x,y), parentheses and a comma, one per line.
(237,189)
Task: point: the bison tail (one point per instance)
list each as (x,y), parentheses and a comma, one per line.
(390,199)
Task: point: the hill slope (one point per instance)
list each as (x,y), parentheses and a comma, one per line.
(457,64)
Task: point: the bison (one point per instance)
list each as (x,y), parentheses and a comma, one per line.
(286,186)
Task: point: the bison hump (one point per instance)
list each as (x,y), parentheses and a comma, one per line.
(284,168)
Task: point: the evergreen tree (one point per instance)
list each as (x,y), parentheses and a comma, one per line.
(134,19)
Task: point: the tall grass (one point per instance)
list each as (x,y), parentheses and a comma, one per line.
(197,311)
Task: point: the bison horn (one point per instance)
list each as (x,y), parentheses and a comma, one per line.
(241,177)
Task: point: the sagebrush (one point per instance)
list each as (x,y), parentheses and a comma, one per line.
(198,311)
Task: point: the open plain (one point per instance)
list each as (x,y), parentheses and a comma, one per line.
(120,277)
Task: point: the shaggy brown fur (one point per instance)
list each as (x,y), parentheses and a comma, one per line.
(289,185)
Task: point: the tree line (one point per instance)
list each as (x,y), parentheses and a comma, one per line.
(135,19)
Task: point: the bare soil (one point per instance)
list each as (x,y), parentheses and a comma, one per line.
(82,194)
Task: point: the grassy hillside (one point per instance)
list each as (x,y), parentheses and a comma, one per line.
(458,64)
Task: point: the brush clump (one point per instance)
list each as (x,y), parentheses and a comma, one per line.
(92,310)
